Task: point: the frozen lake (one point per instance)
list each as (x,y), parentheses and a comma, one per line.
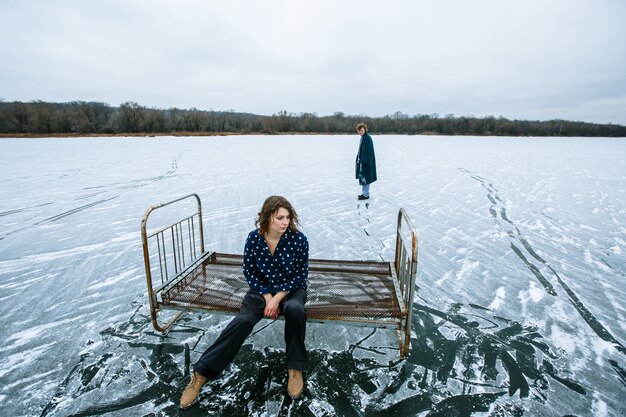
(521,284)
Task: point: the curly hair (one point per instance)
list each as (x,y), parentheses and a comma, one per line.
(271,206)
(361,125)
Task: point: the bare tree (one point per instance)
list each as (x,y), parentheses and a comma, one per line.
(132,117)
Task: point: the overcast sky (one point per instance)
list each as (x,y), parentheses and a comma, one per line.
(536,59)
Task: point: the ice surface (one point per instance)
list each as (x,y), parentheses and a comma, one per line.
(520,287)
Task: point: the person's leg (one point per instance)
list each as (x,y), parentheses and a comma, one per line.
(292,307)
(366,190)
(222,352)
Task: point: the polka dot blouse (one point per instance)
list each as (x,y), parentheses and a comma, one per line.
(286,270)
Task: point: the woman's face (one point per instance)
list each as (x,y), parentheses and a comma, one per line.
(280,221)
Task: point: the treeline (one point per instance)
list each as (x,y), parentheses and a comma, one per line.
(85,118)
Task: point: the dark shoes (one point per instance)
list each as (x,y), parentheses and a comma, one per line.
(363,197)
(190,395)
(295,385)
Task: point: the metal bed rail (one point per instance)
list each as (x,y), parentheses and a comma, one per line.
(181,243)
(405,268)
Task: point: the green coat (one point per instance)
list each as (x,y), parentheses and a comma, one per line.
(366,161)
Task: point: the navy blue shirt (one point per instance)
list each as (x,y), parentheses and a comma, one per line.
(286,270)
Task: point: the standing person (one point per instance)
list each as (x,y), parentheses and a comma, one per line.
(276,267)
(365,162)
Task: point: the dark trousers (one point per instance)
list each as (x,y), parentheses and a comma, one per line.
(222,352)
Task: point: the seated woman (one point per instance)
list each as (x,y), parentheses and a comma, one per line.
(276,267)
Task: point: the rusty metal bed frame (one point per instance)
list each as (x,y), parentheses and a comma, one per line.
(359,293)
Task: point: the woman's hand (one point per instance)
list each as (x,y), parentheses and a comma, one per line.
(271,305)
(271,309)
(268,298)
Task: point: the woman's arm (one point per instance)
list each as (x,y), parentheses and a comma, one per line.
(301,265)
(250,271)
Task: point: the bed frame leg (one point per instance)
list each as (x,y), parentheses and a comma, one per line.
(165,328)
(404,340)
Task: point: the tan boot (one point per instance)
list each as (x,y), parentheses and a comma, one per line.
(295,385)
(192,390)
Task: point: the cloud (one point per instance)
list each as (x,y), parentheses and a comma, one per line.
(531,59)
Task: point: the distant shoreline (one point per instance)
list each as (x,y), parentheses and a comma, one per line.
(91,119)
(100,135)
(199,134)
(219,134)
